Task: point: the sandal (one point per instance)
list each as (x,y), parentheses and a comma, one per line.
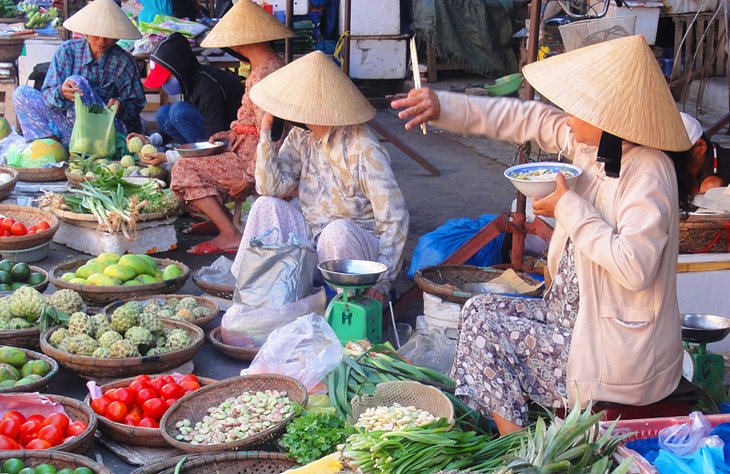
(201,228)
(208,249)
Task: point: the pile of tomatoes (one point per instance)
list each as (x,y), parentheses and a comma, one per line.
(144,400)
(37,431)
(9,227)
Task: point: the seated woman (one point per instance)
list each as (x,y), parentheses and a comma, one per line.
(152,8)
(608,328)
(96,68)
(710,166)
(350,202)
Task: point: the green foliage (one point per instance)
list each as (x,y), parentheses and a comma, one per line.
(315,435)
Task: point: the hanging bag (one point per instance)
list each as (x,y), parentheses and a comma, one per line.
(93,132)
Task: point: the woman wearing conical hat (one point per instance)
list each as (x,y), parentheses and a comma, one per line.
(608,328)
(95,67)
(349,201)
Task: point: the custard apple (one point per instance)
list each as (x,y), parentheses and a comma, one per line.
(66,301)
(19,323)
(166,313)
(125,316)
(101,324)
(139,335)
(80,323)
(26,302)
(147,150)
(135,144)
(5,313)
(101,352)
(4,325)
(108,338)
(151,308)
(151,322)
(177,339)
(184,314)
(161,341)
(157,351)
(58,336)
(81,344)
(200,312)
(124,348)
(187,303)
(127,160)
(172,304)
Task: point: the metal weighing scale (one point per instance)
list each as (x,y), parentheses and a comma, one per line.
(352,315)
(700,367)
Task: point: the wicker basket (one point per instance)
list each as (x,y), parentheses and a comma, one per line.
(77,411)
(74,180)
(59,459)
(240,353)
(194,406)
(6,189)
(212,306)
(42,175)
(10,49)
(448,281)
(406,394)
(249,462)
(102,295)
(133,435)
(28,338)
(89,221)
(35,386)
(215,289)
(29,216)
(705,234)
(129,366)
(41,287)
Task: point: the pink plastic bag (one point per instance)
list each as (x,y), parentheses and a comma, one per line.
(28,404)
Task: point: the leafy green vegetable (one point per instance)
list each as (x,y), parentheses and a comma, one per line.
(315,435)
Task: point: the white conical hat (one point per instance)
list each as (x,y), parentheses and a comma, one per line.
(312,90)
(616,86)
(245,23)
(103,18)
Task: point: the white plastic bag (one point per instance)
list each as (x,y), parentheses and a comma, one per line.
(432,349)
(218,272)
(686,438)
(247,327)
(307,350)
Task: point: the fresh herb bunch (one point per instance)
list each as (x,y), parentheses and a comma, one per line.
(314,435)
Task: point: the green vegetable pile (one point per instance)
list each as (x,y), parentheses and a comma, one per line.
(315,435)
(8,9)
(39,18)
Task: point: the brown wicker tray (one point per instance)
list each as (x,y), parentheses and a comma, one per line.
(41,287)
(102,295)
(7,188)
(705,234)
(130,366)
(213,308)
(27,338)
(35,386)
(59,459)
(221,291)
(133,435)
(77,411)
(41,175)
(29,216)
(447,281)
(247,462)
(194,406)
(74,181)
(239,353)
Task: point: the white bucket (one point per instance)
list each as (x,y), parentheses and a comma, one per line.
(587,32)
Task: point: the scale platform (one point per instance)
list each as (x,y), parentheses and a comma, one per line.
(700,367)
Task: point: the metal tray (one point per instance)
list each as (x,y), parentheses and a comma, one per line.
(195,150)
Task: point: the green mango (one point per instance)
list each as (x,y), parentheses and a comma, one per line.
(109,257)
(84,271)
(78,281)
(120,272)
(171,272)
(68,276)
(27,380)
(9,383)
(99,279)
(8,372)
(135,263)
(36,367)
(147,279)
(131,283)
(151,263)
(13,356)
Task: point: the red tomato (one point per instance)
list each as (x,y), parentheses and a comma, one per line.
(8,443)
(42,225)
(59,420)
(38,418)
(149,423)
(100,405)
(189,386)
(7,223)
(157,384)
(136,386)
(172,390)
(18,229)
(32,228)
(170,402)
(52,434)
(167,379)
(38,444)
(144,395)
(143,378)
(30,232)
(28,431)
(15,415)
(137,410)
(76,428)
(154,408)
(132,420)
(122,395)
(10,428)
(116,411)
(189,377)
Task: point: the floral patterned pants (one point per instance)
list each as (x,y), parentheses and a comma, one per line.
(511,347)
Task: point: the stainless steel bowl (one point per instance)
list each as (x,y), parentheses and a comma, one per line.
(704,328)
(194,150)
(352,272)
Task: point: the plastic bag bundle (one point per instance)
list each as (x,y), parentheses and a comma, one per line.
(432,349)
(93,132)
(686,438)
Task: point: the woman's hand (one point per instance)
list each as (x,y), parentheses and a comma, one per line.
(221,136)
(69,88)
(112,103)
(144,139)
(375,294)
(267,122)
(153,159)
(545,207)
(236,187)
(422,104)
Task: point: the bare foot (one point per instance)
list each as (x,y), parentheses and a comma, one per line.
(226,241)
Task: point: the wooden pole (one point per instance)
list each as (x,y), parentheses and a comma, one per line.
(289,42)
(346,39)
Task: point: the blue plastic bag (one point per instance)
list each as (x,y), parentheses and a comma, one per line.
(708,459)
(434,247)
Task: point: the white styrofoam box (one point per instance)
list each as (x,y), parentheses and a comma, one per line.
(441,314)
(36,51)
(372,17)
(301,7)
(646,13)
(675,7)
(159,236)
(373,57)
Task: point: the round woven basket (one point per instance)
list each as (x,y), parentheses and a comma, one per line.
(103,295)
(59,459)
(29,216)
(89,221)
(28,338)
(194,406)
(77,411)
(705,234)
(35,386)
(406,394)
(215,289)
(42,175)
(448,281)
(10,49)
(74,180)
(41,287)
(210,305)
(132,435)
(129,366)
(240,353)
(249,462)
(6,189)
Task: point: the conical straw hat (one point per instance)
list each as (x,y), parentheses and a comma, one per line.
(245,23)
(312,90)
(103,18)
(616,86)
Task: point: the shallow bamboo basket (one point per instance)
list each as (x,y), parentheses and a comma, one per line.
(75,181)
(215,289)
(6,189)
(249,462)
(41,175)
(76,411)
(35,386)
(41,287)
(705,234)
(240,353)
(212,307)
(59,459)
(194,406)
(129,366)
(27,338)
(29,216)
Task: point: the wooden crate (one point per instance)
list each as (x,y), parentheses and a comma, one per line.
(693,62)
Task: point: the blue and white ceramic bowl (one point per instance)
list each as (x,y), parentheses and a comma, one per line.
(537,180)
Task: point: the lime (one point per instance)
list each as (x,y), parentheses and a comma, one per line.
(13,466)
(27,470)
(4,287)
(5,277)
(20,272)
(6,265)
(45,469)
(66,470)
(36,278)
(17,285)
(83,470)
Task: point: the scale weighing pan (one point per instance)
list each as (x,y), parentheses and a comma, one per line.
(352,272)
(195,150)
(704,328)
